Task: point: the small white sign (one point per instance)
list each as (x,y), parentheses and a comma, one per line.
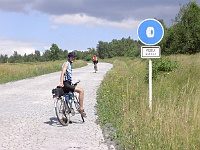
(150,52)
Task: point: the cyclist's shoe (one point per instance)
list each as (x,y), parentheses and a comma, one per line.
(82,112)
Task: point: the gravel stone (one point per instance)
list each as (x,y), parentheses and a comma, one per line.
(28,120)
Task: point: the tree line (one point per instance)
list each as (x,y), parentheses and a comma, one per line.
(53,54)
(183,37)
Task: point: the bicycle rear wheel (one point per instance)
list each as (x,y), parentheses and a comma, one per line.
(62,111)
(77,105)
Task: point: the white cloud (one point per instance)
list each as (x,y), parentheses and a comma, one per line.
(54,27)
(9,46)
(77,19)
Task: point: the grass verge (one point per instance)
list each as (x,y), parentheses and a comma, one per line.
(174,122)
(17,71)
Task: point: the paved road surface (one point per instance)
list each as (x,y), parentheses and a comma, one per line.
(28,120)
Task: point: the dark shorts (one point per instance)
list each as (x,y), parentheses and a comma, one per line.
(95,62)
(68,87)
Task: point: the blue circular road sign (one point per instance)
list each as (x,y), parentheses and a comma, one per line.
(150,31)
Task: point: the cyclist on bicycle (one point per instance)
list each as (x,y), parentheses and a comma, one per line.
(66,81)
(95,61)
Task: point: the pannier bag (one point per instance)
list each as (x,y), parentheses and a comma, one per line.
(57,92)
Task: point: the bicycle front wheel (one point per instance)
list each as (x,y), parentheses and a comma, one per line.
(62,111)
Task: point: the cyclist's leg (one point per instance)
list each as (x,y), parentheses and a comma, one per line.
(81,96)
(96,66)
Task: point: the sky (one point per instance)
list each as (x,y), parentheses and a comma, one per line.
(29,25)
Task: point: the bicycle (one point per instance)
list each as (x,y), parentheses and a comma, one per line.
(64,107)
(95,65)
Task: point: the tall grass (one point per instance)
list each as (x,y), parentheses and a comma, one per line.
(16,71)
(174,122)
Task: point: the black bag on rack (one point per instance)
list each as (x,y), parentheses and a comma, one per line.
(58,92)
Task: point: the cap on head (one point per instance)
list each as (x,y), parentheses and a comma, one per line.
(72,54)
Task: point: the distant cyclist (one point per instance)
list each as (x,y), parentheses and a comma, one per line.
(66,80)
(95,61)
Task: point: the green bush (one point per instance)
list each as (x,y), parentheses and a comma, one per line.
(161,66)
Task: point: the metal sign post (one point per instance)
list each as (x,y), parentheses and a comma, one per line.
(150,52)
(150,32)
(150,84)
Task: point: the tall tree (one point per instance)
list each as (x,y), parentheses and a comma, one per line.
(3,58)
(184,36)
(54,52)
(37,55)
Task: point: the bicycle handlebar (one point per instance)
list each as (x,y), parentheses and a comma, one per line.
(75,84)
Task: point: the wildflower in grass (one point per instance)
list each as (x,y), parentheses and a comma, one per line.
(131,78)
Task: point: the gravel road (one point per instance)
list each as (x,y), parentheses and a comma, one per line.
(28,120)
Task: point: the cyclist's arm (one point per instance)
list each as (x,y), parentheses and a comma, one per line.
(62,74)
